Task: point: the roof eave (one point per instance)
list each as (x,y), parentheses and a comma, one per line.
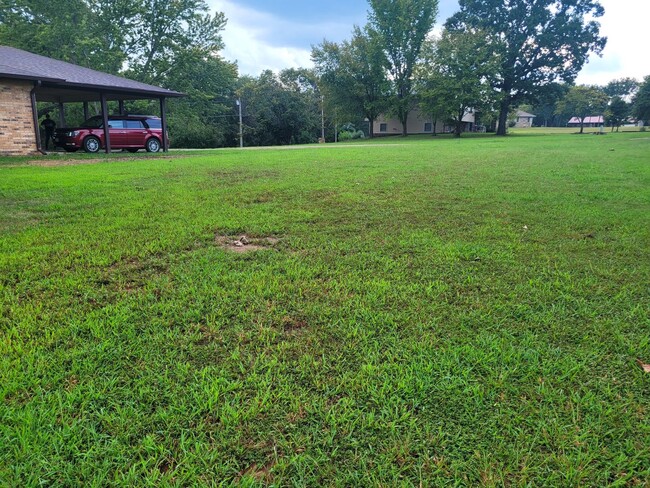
(114,89)
(14,76)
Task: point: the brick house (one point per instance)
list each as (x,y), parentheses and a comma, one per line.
(27,78)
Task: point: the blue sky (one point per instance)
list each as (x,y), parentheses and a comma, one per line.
(331,10)
(279,34)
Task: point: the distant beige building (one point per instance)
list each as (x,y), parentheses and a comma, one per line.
(418,124)
(524,119)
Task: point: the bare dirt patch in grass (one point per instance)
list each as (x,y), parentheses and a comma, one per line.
(244,243)
(50,163)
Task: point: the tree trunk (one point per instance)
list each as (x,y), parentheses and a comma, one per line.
(582,123)
(404,126)
(503,116)
(459,123)
(435,123)
(371,128)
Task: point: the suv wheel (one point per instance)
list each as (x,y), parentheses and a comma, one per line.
(91,144)
(153,145)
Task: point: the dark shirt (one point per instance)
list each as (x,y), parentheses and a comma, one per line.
(48,125)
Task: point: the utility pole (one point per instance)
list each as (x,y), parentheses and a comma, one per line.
(322,117)
(241,126)
(336,125)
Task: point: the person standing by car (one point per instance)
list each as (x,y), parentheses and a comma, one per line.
(48,125)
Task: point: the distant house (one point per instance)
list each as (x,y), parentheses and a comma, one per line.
(523,119)
(590,121)
(417,123)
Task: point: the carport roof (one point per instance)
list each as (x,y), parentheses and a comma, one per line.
(66,82)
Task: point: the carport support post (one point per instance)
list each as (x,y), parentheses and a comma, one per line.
(86,111)
(163,118)
(107,136)
(121,105)
(61,115)
(35,116)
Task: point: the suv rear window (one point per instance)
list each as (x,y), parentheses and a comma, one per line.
(154,123)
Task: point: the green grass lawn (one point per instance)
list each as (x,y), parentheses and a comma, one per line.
(427,311)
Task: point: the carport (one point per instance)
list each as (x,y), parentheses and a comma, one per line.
(60,83)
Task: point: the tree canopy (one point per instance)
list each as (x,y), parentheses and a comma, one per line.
(617,112)
(624,88)
(582,101)
(354,74)
(455,76)
(402,27)
(538,42)
(280,109)
(641,104)
(144,36)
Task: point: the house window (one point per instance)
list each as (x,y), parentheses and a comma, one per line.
(383,127)
(427,127)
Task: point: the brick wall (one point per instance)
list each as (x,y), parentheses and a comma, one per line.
(17,135)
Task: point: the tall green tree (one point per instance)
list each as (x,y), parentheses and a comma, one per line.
(616,113)
(538,42)
(428,84)
(164,31)
(456,80)
(641,103)
(624,88)
(354,74)
(582,101)
(402,27)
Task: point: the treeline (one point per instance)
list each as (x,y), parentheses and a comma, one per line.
(492,56)
(621,101)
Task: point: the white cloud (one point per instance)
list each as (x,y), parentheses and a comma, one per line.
(626,53)
(260,41)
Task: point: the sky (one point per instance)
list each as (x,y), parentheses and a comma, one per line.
(268,34)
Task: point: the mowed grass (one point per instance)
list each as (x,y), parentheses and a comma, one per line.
(435,312)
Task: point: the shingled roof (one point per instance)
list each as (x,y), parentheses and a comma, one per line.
(521,113)
(61,81)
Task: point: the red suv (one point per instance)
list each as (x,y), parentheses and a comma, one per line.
(130,132)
